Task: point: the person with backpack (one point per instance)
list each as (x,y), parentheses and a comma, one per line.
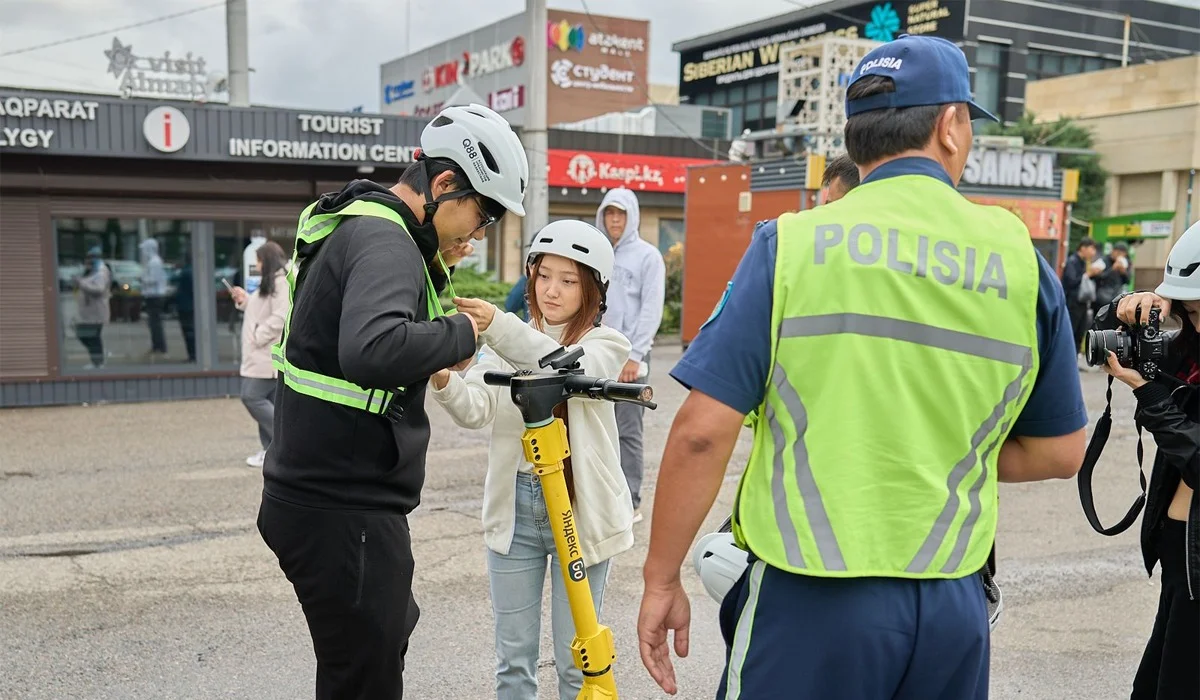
(569,267)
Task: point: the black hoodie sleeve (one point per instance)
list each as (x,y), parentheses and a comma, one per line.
(1176,435)
(381,342)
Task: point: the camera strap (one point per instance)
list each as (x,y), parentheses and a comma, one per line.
(1084,480)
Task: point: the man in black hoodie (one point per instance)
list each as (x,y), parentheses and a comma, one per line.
(365,333)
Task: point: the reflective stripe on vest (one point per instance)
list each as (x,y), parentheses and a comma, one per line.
(310,229)
(904,346)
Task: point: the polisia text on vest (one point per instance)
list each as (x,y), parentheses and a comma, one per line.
(866,245)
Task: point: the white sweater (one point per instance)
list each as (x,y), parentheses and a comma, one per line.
(603,506)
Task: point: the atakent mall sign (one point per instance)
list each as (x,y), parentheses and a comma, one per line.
(161,76)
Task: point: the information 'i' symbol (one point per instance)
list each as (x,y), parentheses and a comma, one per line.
(166,129)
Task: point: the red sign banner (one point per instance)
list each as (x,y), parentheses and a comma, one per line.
(1045,218)
(579,169)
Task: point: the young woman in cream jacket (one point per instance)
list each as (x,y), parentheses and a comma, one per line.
(569,267)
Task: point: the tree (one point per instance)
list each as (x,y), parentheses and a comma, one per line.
(1065,133)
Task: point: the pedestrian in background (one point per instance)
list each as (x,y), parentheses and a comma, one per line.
(841,176)
(265,314)
(92,306)
(635,308)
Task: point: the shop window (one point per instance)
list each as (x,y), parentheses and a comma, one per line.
(754,112)
(670,232)
(772,88)
(737,95)
(989,76)
(702,99)
(754,91)
(1072,64)
(126,293)
(736,119)
(230,242)
(720,98)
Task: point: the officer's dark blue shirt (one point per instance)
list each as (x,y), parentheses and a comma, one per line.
(731,356)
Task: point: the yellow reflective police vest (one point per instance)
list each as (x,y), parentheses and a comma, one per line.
(313,228)
(904,345)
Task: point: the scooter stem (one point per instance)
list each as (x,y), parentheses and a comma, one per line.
(592,649)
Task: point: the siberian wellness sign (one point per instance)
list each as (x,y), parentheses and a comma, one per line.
(707,68)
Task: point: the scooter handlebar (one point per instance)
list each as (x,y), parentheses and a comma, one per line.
(611,390)
(495,378)
(604,389)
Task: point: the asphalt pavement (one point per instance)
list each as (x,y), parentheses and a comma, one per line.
(130,566)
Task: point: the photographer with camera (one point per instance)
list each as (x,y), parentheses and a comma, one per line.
(1162,370)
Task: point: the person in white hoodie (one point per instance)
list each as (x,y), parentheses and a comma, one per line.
(569,266)
(266,314)
(635,308)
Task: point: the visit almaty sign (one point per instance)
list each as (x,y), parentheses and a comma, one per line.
(159,76)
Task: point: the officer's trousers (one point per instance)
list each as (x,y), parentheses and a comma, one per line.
(791,637)
(352,572)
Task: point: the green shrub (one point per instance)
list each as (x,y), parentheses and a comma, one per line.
(476,285)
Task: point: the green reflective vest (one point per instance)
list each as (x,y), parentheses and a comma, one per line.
(313,228)
(904,345)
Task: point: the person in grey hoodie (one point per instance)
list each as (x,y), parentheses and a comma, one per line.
(635,306)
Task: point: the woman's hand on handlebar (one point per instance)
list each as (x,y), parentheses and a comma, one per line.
(481,311)
(1136,307)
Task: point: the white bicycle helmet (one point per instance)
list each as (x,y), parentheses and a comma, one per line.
(483,144)
(578,241)
(1181,280)
(719,562)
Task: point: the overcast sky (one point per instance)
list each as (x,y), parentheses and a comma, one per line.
(322,54)
(303,54)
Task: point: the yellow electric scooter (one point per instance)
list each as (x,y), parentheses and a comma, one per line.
(545,440)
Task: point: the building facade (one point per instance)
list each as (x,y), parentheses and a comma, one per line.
(1145,121)
(726,200)
(595,65)
(86,172)
(1007,43)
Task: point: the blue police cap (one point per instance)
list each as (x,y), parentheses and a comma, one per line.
(927,70)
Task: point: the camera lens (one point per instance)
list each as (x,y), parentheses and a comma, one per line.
(1097,345)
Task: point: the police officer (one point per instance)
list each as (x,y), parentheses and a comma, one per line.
(907,348)
(364,334)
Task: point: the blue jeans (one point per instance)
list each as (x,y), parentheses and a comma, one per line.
(516,582)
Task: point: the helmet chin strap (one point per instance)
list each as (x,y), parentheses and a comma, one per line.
(431,203)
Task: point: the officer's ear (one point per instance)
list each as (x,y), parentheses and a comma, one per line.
(948,128)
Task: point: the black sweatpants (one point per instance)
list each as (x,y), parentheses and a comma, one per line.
(352,572)
(1168,670)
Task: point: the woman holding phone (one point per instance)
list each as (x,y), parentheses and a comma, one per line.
(262,327)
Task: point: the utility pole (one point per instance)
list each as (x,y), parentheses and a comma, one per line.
(238,43)
(537,194)
(1125,43)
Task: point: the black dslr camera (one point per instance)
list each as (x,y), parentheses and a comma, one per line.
(1142,347)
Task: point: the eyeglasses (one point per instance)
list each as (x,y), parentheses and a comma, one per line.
(485,219)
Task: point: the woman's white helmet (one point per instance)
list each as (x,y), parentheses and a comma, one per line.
(719,562)
(578,241)
(1181,279)
(483,144)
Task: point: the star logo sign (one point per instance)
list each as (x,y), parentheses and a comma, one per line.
(884,23)
(120,58)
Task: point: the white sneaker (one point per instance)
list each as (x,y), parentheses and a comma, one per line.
(637,516)
(256,459)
